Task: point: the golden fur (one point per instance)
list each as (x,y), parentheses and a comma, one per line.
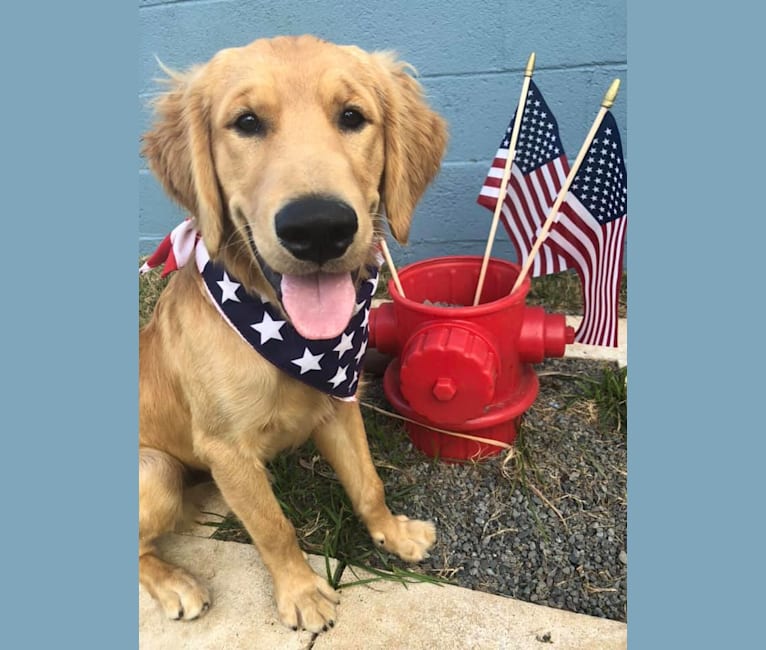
(209,401)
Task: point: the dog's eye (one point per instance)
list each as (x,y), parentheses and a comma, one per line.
(248,124)
(351,119)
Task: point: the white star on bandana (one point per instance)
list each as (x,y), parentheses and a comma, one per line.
(228,288)
(269,328)
(361,352)
(308,361)
(339,377)
(344,345)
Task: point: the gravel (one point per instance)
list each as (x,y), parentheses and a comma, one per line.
(547,526)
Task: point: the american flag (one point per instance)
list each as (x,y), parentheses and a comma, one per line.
(590,232)
(538,172)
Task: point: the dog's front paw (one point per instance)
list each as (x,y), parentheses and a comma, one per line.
(306,603)
(410,539)
(181,596)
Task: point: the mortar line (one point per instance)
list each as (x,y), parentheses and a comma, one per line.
(165,3)
(552,68)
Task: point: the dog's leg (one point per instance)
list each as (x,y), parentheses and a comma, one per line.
(304,599)
(160,510)
(343,442)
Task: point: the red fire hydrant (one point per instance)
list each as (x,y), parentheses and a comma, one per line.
(463,369)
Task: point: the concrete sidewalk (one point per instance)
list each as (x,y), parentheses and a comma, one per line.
(383,614)
(379,615)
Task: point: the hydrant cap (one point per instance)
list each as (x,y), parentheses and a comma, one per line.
(448,372)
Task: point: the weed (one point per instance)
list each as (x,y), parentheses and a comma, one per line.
(610,394)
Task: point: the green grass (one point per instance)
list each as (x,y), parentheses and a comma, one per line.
(150,285)
(315,502)
(563,293)
(610,394)
(521,467)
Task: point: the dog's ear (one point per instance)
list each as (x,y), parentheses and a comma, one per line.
(178,151)
(415,140)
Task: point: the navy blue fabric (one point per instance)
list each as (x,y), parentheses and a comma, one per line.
(330,365)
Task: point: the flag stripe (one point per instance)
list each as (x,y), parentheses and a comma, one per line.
(579,249)
(527,202)
(588,241)
(596,252)
(525,209)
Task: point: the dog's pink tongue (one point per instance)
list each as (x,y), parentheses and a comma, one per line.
(320,305)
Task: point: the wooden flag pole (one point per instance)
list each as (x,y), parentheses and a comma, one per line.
(506,175)
(606,104)
(392,268)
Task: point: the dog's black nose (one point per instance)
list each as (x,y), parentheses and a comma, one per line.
(316,228)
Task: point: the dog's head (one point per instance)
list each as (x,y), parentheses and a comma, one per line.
(287,152)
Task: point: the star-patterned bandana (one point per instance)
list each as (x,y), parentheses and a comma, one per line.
(329,365)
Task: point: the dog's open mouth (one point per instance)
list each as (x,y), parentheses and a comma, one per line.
(319,304)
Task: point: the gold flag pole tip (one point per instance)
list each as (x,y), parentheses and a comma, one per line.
(530,65)
(611,94)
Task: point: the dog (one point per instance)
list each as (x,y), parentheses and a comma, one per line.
(290,155)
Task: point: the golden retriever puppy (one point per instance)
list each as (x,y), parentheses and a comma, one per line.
(286,153)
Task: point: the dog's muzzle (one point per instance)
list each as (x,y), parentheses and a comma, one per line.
(316,228)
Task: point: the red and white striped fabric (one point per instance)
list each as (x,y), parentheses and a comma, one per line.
(175,250)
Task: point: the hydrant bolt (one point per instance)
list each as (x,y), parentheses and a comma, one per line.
(444,389)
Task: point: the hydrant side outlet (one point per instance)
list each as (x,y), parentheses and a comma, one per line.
(543,335)
(383,329)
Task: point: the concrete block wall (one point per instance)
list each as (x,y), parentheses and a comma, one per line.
(470,57)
